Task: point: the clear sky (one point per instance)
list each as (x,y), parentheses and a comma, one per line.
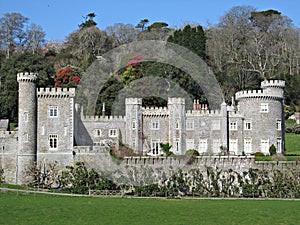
(61,17)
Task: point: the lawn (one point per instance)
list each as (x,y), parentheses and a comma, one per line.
(47,209)
(292,143)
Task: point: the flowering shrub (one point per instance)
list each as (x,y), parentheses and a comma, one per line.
(67,77)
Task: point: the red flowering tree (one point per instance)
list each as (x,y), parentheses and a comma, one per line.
(133,69)
(67,77)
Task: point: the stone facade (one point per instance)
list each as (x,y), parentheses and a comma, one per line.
(52,128)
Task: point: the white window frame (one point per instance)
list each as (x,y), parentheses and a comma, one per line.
(248,125)
(155,147)
(233,145)
(113,133)
(53,141)
(133,125)
(278,124)
(97,132)
(264,146)
(177,125)
(264,107)
(190,125)
(202,145)
(190,144)
(247,145)
(26,116)
(279,145)
(216,125)
(233,125)
(216,143)
(155,125)
(53,111)
(26,137)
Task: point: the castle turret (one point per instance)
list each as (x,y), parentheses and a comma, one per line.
(27,141)
(134,127)
(263,112)
(177,130)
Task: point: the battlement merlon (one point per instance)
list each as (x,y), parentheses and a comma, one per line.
(266,93)
(56,92)
(176,101)
(133,101)
(273,84)
(27,77)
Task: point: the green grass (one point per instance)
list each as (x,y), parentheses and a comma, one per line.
(47,209)
(292,143)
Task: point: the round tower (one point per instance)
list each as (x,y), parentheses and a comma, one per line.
(263,112)
(27,127)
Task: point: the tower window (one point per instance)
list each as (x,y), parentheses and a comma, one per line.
(53,141)
(278,124)
(264,107)
(53,111)
(155,125)
(248,125)
(112,133)
(26,116)
(97,132)
(233,125)
(190,124)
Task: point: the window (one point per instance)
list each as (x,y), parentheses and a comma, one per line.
(155,147)
(53,141)
(233,145)
(233,125)
(202,145)
(26,137)
(190,124)
(133,143)
(264,107)
(133,124)
(279,145)
(155,125)
(264,145)
(112,133)
(216,125)
(43,130)
(190,144)
(248,125)
(65,130)
(97,133)
(177,126)
(278,124)
(216,145)
(26,116)
(248,145)
(177,145)
(53,111)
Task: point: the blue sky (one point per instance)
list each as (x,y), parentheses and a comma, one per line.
(61,17)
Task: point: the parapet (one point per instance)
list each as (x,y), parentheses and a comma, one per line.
(176,101)
(102,118)
(190,113)
(56,92)
(133,101)
(155,111)
(266,93)
(26,77)
(273,84)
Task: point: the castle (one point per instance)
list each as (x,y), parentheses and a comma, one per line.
(51,127)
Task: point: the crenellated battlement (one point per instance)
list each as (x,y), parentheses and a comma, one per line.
(272,89)
(266,93)
(176,101)
(273,84)
(102,118)
(56,92)
(203,112)
(26,77)
(155,111)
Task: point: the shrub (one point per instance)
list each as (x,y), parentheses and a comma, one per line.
(272,150)
(258,154)
(192,152)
